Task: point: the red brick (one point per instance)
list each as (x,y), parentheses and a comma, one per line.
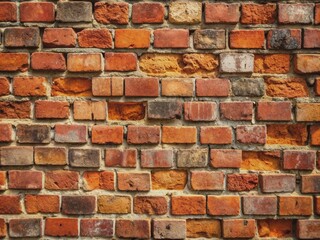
(213,180)
(85,62)
(216,135)
(29,86)
(21,37)
(169,229)
(247,39)
(10,204)
(200,111)
(311,38)
(25,228)
(62,180)
(295,205)
(272,63)
(78,205)
(25,179)
(42,204)
(158,158)
(8,12)
(171,134)
(121,158)
(171,38)
(143,134)
(151,205)
(95,38)
(177,87)
(223,205)
(11,62)
(274,111)
(314,132)
(141,87)
(317,14)
(120,62)
(225,158)
(203,228)
(308,229)
(73,87)
(276,228)
(98,180)
(259,205)
(61,227)
(310,183)
(129,181)
(299,159)
(89,110)
(132,38)
(59,38)
(96,228)
(169,179)
(3,226)
(140,229)
(148,13)
(242,182)
(251,134)
(188,205)
(317,87)
(3,180)
(308,112)
(239,228)
(216,87)
(288,13)
(236,111)
(286,87)
(272,183)
(51,109)
(222,13)
(48,61)
(70,133)
(6,132)
(4,85)
(107,134)
(37,12)
(111,12)
(252,13)
(317,205)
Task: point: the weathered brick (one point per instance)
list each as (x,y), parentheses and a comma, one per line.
(236,111)
(307,63)
(85,62)
(89,110)
(213,180)
(8,12)
(73,87)
(70,133)
(59,37)
(140,229)
(37,12)
(251,134)
(188,205)
(33,133)
(192,157)
(251,87)
(222,13)
(11,62)
(148,13)
(107,134)
(42,204)
(223,205)
(25,228)
(200,111)
(78,205)
(3,180)
(299,159)
(164,109)
(151,205)
(51,109)
(84,157)
(315,135)
(3,226)
(96,228)
(308,229)
(111,12)
(242,182)
(114,204)
(178,38)
(159,158)
(143,134)
(141,87)
(169,179)
(288,13)
(74,12)
(29,86)
(272,63)
(259,205)
(286,87)
(126,110)
(308,112)
(132,38)
(317,205)
(177,87)
(4,85)
(128,181)
(247,39)
(203,228)
(252,13)
(61,227)
(276,228)
(98,180)
(209,39)
(186,135)
(236,62)
(239,228)
(317,87)
(121,158)
(6,132)
(185,12)
(95,38)
(317,14)
(16,156)
(225,158)
(121,62)
(295,205)
(169,229)
(25,179)
(216,87)
(291,134)
(10,204)
(274,111)
(216,135)
(48,61)
(287,39)
(62,180)
(21,37)
(261,160)
(271,183)
(310,183)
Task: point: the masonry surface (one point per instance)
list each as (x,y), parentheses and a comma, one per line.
(160,119)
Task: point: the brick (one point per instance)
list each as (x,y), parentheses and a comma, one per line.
(188,205)
(222,13)
(242,182)
(98,180)
(107,134)
(295,205)
(317,205)
(192,157)
(178,38)
(96,228)
(47,61)
(120,62)
(236,62)
(4,85)
(78,205)
(160,158)
(185,13)
(143,134)
(213,180)
(286,87)
(111,12)
(89,110)
(51,109)
(70,133)
(42,204)
(3,226)
(151,205)
(74,12)
(317,14)
(203,228)
(79,157)
(114,204)
(186,135)
(308,112)
(85,62)
(247,39)
(259,205)
(22,37)
(11,62)
(252,13)
(283,134)
(209,39)
(126,228)
(308,229)
(277,228)
(25,228)
(126,110)
(121,158)
(169,179)
(311,37)
(307,63)
(272,183)
(132,38)
(239,228)
(8,12)
(25,179)
(10,204)
(95,38)
(272,63)
(33,133)
(225,158)
(169,229)
(29,86)
(62,180)
(223,205)
(236,111)
(16,156)
(288,13)
(200,111)
(216,135)
(274,111)
(317,87)
(261,160)
(299,159)
(177,87)
(128,181)
(287,39)
(310,183)
(6,132)
(37,12)
(73,87)
(164,109)
(147,13)
(61,227)
(251,134)
(315,135)
(101,86)
(3,180)
(216,87)
(251,87)
(59,38)
(141,87)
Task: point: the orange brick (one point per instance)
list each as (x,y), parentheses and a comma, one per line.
(74,87)
(4,86)
(247,39)
(89,110)
(134,181)
(59,37)
(224,205)
(8,12)
(48,61)
(295,205)
(147,12)
(29,86)
(12,62)
(169,179)
(177,87)
(188,205)
(120,62)
(222,13)
(171,38)
(107,134)
(186,135)
(141,87)
(272,63)
(85,62)
(239,228)
(215,135)
(132,38)
(200,111)
(98,180)
(111,12)
(37,12)
(252,13)
(95,38)
(42,204)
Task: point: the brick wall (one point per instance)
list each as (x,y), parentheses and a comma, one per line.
(168,119)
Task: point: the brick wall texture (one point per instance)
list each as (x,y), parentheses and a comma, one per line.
(160,119)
